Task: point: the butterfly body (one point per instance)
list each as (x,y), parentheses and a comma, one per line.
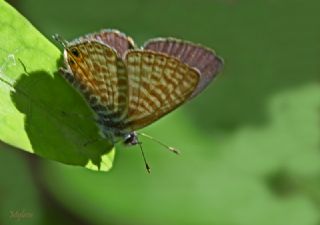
(129,88)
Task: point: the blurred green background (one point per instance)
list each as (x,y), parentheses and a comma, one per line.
(250,143)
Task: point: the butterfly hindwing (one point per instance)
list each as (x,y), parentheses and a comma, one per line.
(203,59)
(157,85)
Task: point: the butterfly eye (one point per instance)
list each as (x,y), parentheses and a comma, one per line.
(75,52)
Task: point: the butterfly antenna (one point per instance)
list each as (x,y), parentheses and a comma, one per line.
(60,39)
(172,149)
(144,158)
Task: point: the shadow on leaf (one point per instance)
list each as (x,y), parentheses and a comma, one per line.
(59,123)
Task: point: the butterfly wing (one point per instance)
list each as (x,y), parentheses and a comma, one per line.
(144,87)
(113,38)
(203,59)
(158,84)
(100,76)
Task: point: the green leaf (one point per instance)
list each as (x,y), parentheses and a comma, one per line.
(40,113)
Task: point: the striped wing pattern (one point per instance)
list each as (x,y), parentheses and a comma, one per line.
(157,84)
(100,76)
(130,88)
(194,55)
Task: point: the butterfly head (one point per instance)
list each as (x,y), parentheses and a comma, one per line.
(69,61)
(131,139)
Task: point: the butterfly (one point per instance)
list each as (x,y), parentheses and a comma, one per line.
(129,87)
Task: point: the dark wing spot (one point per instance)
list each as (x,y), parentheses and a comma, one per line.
(75,52)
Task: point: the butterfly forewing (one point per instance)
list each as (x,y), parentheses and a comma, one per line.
(203,59)
(100,76)
(113,38)
(157,84)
